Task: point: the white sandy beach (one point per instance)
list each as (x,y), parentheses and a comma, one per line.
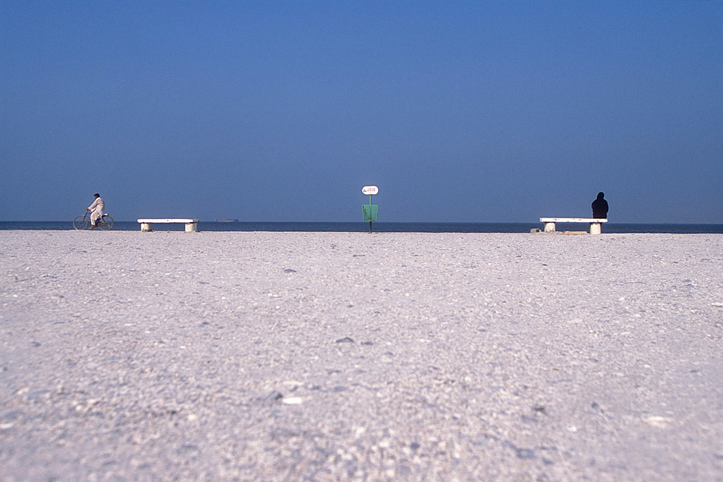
(350,356)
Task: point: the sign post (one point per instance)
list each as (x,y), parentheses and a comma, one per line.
(370,211)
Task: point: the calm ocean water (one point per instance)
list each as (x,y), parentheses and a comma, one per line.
(381,227)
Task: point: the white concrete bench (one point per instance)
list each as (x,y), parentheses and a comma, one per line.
(147,224)
(595,223)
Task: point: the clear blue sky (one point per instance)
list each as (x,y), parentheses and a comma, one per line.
(460,111)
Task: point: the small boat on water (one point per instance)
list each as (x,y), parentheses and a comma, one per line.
(227,220)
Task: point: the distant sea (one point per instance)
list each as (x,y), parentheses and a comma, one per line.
(380,227)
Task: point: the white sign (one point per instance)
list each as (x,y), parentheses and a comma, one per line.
(370,190)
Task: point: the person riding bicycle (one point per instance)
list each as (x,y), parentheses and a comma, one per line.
(96,211)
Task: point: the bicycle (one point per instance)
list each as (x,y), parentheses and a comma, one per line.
(83,222)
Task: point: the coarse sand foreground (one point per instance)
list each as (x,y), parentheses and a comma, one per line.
(350,356)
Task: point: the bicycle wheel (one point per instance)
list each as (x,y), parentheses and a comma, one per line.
(106,223)
(80,222)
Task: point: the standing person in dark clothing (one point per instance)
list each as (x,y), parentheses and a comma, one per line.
(600,206)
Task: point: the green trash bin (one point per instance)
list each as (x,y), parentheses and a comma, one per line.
(370,212)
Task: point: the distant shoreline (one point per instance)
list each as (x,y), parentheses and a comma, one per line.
(379,227)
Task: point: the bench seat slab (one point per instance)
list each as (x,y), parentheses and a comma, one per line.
(573,220)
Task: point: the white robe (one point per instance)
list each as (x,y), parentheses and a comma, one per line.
(96,210)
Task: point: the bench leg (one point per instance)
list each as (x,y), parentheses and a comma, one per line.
(595,228)
(146,227)
(549,227)
(191,227)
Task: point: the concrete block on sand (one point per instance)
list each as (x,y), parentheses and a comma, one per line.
(342,356)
